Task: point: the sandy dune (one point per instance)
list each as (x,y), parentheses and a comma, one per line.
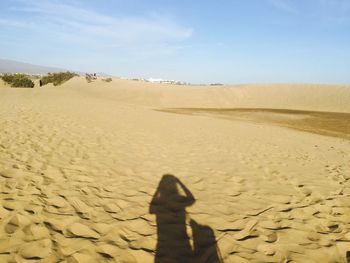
(107,172)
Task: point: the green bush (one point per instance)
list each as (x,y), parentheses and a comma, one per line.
(57,78)
(107,80)
(18,80)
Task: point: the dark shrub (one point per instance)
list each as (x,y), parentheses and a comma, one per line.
(88,78)
(107,80)
(18,80)
(57,78)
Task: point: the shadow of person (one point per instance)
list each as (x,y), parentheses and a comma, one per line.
(173,245)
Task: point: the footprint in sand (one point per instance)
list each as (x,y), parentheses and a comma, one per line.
(80,230)
(36,249)
(82,209)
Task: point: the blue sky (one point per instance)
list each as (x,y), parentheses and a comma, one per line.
(201,41)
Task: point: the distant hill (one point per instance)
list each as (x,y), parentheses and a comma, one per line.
(11,66)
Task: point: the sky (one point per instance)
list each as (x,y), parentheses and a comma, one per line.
(198,41)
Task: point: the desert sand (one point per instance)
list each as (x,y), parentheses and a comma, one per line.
(129,171)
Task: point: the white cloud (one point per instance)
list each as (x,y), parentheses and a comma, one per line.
(343,5)
(77,23)
(13,23)
(327,11)
(285,5)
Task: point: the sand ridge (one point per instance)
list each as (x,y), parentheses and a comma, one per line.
(80,166)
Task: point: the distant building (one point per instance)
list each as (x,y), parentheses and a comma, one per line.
(158,80)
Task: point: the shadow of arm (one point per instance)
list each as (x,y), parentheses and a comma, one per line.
(189,198)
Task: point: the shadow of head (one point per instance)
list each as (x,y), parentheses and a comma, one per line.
(171,194)
(168,185)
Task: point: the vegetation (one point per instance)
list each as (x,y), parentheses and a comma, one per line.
(18,80)
(57,78)
(88,78)
(107,79)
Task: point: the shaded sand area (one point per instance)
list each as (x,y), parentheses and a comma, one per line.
(93,173)
(326,123)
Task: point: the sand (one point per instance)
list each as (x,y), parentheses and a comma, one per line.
(138,172)
(326,123)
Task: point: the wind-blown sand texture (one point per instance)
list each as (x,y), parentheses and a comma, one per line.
(111,172)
